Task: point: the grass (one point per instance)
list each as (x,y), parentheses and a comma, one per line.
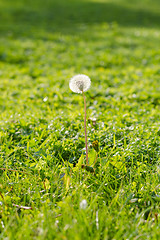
(115,43)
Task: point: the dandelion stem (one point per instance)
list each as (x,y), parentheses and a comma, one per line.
(85,127)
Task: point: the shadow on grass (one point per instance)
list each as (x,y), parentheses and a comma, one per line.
(64,15)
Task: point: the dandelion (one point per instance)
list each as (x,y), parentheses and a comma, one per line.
(79,84)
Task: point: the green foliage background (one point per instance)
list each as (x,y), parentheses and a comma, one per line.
(42,45)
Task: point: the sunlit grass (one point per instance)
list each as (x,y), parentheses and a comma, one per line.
(42,134)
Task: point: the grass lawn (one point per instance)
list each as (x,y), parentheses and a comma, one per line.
(44,191)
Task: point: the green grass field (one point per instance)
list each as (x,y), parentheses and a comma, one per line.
(42,45)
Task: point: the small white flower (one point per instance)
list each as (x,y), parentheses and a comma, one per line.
(56,223)
(83,204)
(45,99)
(80,83)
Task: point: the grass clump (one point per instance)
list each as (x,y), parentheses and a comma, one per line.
(42,184)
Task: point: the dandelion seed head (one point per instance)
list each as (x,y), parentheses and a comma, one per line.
(80,83)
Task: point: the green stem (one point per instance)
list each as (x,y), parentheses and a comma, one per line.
(85,128)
